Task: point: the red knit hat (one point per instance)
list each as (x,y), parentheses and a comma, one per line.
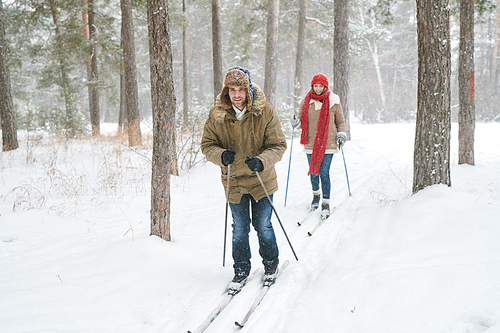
(320,78)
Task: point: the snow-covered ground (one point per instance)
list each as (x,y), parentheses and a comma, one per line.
(76,255)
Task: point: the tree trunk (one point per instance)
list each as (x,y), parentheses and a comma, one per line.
(86,35)
(185,122)
(93,79)
(130,74)
(163,103)
(432,137)
(217,48)
(122,115)
(201,86)
(493,71)
(299,61)
(64,82)
(273,8)
(9,128)
(467,114)
(373,48)
(341,58)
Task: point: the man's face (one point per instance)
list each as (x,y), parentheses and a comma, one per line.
(238,96)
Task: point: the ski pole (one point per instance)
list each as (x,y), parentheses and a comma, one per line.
(230,149)
(274,210)
(225,220)
(346,175)
(289,163)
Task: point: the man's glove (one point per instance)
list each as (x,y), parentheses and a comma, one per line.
(228,156)
(254,163)
(341,139)
(295,121)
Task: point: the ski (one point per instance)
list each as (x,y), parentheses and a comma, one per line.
(259,298)
(311,211)
(321,221)
(222,305)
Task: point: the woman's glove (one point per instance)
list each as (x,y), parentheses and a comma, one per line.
(341,139)
(295,121)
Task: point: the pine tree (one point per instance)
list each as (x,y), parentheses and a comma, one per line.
(163,102)
(94,77)
(299,59)
(467,114)
(217,47)
(341,57)
(9,127)
(432,138)
(130,75)
(271,70)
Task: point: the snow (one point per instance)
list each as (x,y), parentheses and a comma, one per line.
(76,255)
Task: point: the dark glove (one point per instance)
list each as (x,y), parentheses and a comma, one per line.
(228,156)
(295,121)
(254,163)
(341,138)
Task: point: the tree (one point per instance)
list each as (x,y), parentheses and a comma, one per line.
(467,114)
(163,103)
(493,70)
(432,138)
(64,71)
(299,60)
(185,87)
(372,37)
(341,57)
(9,128)
(122,113)
(93,78)
(130,75)
(271,70)
(217,48)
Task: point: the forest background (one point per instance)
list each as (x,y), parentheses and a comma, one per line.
(48,47)
(382,47)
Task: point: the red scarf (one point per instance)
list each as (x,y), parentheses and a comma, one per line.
(321,137)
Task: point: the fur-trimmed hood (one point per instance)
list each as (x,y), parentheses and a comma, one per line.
(223,103)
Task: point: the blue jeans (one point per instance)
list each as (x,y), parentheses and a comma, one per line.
(261,221)
(324,176)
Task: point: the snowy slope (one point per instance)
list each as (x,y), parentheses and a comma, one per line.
(76,255)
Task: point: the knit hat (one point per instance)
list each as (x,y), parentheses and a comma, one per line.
(240,77)
(320,78)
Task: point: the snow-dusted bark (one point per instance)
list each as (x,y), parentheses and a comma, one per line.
(432,138)
(9,129)
(467,110)
(163,103)
(341,57)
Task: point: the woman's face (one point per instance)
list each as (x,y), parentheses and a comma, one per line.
(318,89)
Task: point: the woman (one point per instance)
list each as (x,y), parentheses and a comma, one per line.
(323,132)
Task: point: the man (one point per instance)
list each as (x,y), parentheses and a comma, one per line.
(243,124)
